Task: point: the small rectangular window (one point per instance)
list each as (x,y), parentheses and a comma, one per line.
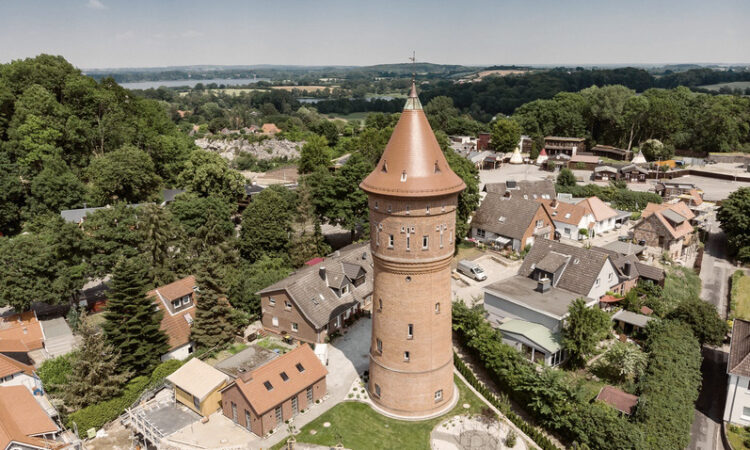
(299,367)
(408,242)
(427,209)
(379,345)
(176,303)
(389,208)
(376,204)
(380,304)
(268,385)
(425,242)
(295,327)
(390,241)
(275,321)
(407,209)
(437,308)
(410,331)
(284,376)
(377,390)
(406,356)
(271,301)
(438,395)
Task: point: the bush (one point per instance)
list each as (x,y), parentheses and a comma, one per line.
(510,439)
(624,199)
(54,372)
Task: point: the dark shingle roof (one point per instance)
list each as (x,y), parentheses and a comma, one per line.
(581,271)
(553,261)
(508,217)
(640,269)
(739,349)
(312,293)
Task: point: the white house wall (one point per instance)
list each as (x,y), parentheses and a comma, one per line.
(607,279)
(180,353)
(738,398)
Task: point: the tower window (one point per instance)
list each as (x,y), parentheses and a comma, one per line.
(425,242)
(377,390)
(403,176)
(438,395)
(410,331)
(379,345)
(427,209)
(380,304)
(407,209)
(408,242)
(406,356)
(376,204)
(390,241)
(389,208)
(437,308)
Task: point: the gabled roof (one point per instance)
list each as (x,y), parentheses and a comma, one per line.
(22,330)
(590,159)
(633,167)
(559,138)
(598,169)
(598,208)
(632,318)
(509,217)
(638,269)
(565,212)
(524,189)
(413,165)
(21,418)
(264,387)
(670,220)
(175,326)
(197,378)
(618,399)
(9,366)
(739,349)
(581,271)
(310,287)
(553,261)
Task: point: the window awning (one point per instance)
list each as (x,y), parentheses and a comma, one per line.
(502,240)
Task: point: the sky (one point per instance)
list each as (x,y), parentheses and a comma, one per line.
(140,33)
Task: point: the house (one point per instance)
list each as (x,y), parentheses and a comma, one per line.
(197,386)
(263,399)
(534,341)
(318,301)
(24,425)
(618,399)
(483,141)
(270,128)
(583,162)
(569,219)
(667,228)
(527,190)
(177,301)
(484,160)
(14,373)
(630,269)
(22,338)
(610,152)
(673,189)
(605,173)
(510,222)
(604,216)
(632,173)
(629,321)
(569,146)
(737,406)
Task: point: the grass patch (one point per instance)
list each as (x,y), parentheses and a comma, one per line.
(236,348)
(360,427)
(271,344)
(353,116)
(738,436)
(741,296)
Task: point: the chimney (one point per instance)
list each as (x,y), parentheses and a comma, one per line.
(322,272)
(544,285)
(554,203)
(627,268)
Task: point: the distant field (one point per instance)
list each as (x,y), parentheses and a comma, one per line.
(347,117)
(502,73)
(732,85)
(303,88)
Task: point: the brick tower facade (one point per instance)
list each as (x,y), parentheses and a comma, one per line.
(413,195)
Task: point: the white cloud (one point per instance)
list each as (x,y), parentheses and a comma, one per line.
(130,34)
(95,4)
(191,34)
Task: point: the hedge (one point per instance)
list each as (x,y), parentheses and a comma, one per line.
(95,416)
(623,199)
(503,406)
(734,292)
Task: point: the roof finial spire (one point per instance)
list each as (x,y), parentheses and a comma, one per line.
(413,102)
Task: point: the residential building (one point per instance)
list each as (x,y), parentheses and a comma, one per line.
(22,338)
(569,146)
(633,173)
(666,228)
(737,406)
(263,399)
(413,197)
(610,152)
(581,161)
(510,222)
(534,341)
(630,322)
(618,399)
(318,301)
(197,386)
(673,189)
(604,216)
(14,373)
(630,269)
(605,173)
(177,301)
(483,141)
(24,425)
(569,219)
(524,189)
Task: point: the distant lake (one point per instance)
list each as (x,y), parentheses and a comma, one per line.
(191,82)
(368,98)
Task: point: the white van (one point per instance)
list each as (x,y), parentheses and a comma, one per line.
(471,270)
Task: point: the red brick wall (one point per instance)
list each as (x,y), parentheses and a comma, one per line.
(306,333)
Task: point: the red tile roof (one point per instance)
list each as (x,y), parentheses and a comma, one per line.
(24,328)
(21,417)
(252,385)
(680,208)
(176,326)
(9,366)
(598,208)
(609,299)
(565,212)
(618,399)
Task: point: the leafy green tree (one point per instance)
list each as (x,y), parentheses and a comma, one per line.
(194,212)
(440,111)
(245,279)
(127,174)
(583,330)
(55,188)
(704,320)
(267,224)
(110,234)
(12,196)
(314,154)
(734,217)
(208,174)
(326,129)
(624,362)
(132,326)
(654,149)
(95,376)
(566,177)
(505,134)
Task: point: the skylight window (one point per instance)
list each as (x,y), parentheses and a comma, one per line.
(284,376)
(299,367)
(501,219)
(268,385)
(567,215)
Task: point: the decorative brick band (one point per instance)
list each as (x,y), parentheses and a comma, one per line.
(410,372)
(405,266)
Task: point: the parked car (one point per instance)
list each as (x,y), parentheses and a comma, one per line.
(471,270)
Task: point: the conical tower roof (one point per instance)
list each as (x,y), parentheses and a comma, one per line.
(413,165)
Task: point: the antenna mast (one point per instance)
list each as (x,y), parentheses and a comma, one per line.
(413,60)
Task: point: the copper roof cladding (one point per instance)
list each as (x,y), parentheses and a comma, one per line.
(413,165)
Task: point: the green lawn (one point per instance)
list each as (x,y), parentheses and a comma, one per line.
(358,426)
(272,344)
(347,117)
(743,298)
(737,437)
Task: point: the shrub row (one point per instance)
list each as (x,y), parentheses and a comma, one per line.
(503,406)
(734,292)
(95,416)
(623,199)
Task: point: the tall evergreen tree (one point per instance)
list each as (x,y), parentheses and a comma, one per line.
(95,376)
(132,325)
(212,326)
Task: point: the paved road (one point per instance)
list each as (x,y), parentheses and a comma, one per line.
(715,273)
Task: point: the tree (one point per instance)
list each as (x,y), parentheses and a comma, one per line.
(245,279)
(132,326)
(468,199)
(110,234)
(208,174)
(505,134)
(95,375)
(734,216)
(211,328)
(307,240)
(127,174)
(11,196)
(159,238)
(566,177)
(267,224)
(704,320)
(194,212)
(55,188)
(440,111)
(314,154)
(654,149)
(583,330)
(624,362)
